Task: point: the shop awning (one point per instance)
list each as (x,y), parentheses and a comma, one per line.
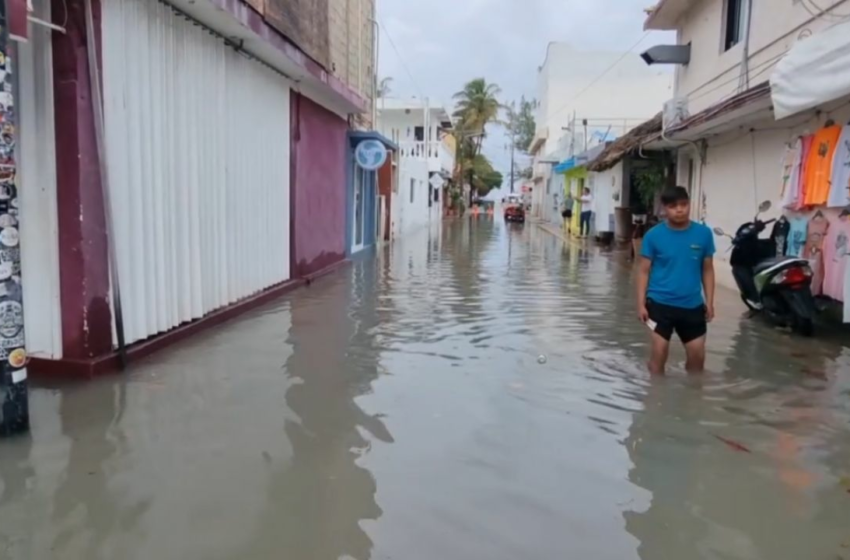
(815,71)
(565,165)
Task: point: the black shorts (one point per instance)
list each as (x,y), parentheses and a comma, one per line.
(689,324)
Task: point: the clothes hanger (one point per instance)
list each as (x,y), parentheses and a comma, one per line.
(829,122)
(844,213)
(818,214)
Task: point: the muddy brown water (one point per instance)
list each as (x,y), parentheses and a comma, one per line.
(472,392)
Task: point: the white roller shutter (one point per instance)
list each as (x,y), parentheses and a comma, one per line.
(198,149)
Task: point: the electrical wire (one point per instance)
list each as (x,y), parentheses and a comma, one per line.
(821,12)
(600,76)
(759,66)
(401,58)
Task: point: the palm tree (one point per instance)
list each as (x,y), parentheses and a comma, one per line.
(477,106)
(384,87)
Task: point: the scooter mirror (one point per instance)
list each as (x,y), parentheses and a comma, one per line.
(719,232)
(764,206)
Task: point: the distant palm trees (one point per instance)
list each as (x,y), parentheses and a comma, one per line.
(477,106)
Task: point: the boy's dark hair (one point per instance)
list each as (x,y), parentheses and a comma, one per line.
(673,195)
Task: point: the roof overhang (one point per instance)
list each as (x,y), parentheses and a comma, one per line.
(540,137)
(740,111)
(357,136)
(666,14)
(243,26)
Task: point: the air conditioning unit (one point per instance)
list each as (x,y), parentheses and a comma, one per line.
(675,111)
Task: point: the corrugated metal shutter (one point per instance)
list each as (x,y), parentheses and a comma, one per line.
(198,150)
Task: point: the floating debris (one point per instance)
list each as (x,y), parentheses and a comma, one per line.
(542,359)
(733,444)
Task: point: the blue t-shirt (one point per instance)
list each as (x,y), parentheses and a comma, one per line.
(797,237)
(677,257)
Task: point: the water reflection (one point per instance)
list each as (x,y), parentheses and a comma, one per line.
(317,500)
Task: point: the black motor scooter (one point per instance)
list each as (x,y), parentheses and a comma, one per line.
(779,286)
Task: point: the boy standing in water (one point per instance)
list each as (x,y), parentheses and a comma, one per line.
(675,270)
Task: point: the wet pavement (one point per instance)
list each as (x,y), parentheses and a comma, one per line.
(474,392)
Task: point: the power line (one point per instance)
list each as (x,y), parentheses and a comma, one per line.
(602,75)
(401,58)
(823,12)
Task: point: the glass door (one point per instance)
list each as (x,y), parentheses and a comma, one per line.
(358,209)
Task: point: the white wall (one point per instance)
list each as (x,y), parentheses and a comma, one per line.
(741,171)
(398,125)
(606,188)
(410,215)
(37,192)
(567,71)
(713,74)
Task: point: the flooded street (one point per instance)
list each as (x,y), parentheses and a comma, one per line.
(476,392)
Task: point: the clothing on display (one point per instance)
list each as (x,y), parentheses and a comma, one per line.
(779,235)
(839,190)
(797,230)
(819,166)
(792,162)
(835,250)
(806,142)
(817,231)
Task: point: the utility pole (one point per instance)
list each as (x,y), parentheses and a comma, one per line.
(513,146)
(14,405)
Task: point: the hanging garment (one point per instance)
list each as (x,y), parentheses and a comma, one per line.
(792,161)
(798,227)
(817,231)
(779,235)
(835,249)
(839,188)
(819,165)
(802,185)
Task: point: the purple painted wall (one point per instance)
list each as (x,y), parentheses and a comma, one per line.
(318,187)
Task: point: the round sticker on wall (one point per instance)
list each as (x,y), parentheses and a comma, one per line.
(6,269)
(7,220)
(9,237)
(11,318)
(18,358)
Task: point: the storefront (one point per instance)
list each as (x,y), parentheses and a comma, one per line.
(369,151)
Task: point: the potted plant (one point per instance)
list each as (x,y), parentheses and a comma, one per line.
(650,180)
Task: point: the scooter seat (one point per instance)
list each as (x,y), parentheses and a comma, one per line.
(773,262)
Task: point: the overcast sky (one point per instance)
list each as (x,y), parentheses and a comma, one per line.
(444,43)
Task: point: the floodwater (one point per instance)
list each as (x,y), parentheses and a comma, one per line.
(471,393)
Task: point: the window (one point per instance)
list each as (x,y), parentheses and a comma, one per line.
(419,133)
(412,190)
(736,20)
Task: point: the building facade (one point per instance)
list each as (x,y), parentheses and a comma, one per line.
(571,120)
(426,159)
(729,139)
(209,171)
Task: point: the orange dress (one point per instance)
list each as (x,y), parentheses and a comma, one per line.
(819,166)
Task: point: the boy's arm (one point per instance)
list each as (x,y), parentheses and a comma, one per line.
(708,286)
(642,281)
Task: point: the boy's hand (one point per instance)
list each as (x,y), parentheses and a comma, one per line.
(709,313)
(643,314)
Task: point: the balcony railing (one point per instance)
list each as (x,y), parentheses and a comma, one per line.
(439,156)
